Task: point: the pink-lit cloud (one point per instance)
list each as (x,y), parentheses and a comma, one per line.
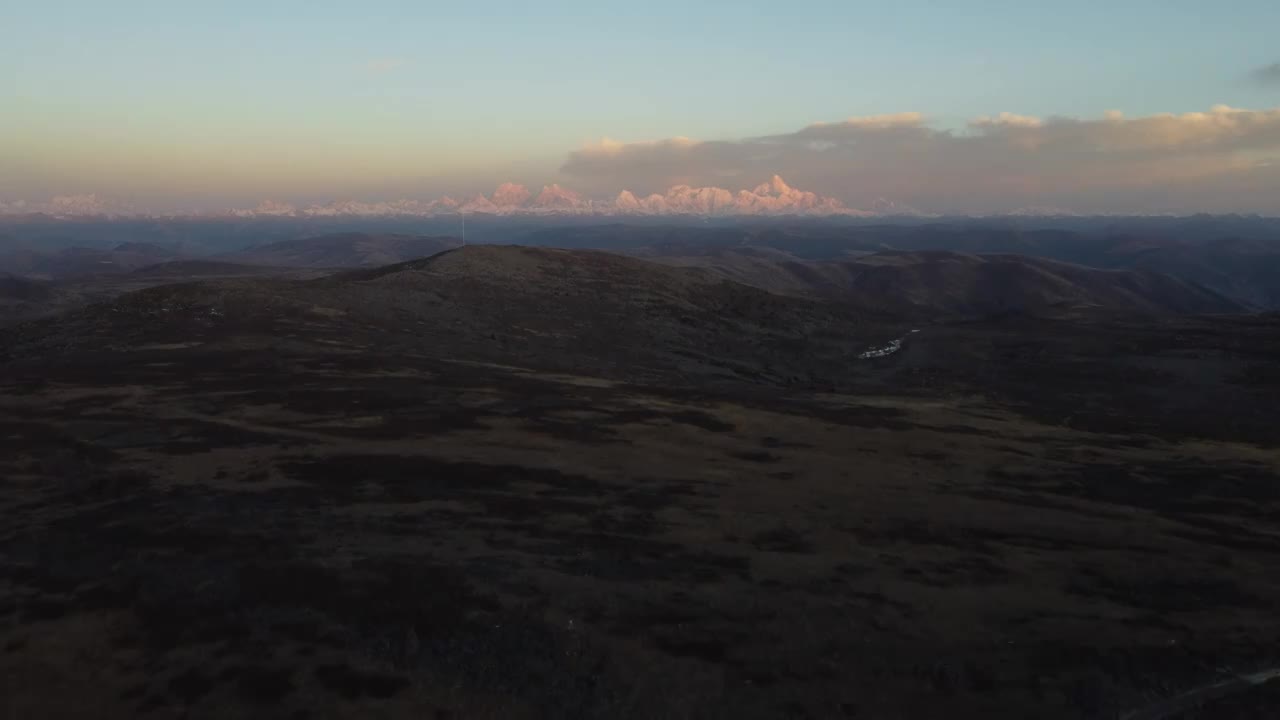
(1192,161)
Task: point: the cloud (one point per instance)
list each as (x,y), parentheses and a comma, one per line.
(1007,119)
(994,163)
(1267,74)
(906,119)
(383,65)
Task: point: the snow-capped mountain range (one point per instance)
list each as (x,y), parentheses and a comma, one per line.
(775,197)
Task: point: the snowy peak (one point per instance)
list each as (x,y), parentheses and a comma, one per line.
(883,206)
(774,197)
(627,202)
(776,187)
(68,206)
(511,195)
(268,208)
(554,197)
(479,204)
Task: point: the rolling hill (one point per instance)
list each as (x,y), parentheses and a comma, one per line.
(342,250)
(952,283)
(192,269)
(76,262)
(1242,263)
(558,308)
(14,288)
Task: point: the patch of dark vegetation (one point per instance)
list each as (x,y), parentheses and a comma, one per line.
(969,570)
(264,684)
(44,608)
(1021,494)
(693,418)
(782,539)
(410,422)
(1183,485)
(694,642)
(1259,375)
(961,430)
(60,453)
(653,495)
(180,534)
(1117,679)
(774,443)
(625,521)
(1224,534)
(582,431)
(983,540)
(106,485)
(90,485)
(705,421)
(202,436)
(1253,703)
(353,684)
(623,558)
(190,685)
(101,596)
(415,478)
(371,595)
(757,456)
(151,703)
(913,533)
(111,432)
(878,598)
(1163,593)
(862,416)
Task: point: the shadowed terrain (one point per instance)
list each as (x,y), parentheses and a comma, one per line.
(342,250)
(526,482)
(949,283)
(24,298)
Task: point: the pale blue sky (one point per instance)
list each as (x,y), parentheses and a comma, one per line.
(356,95)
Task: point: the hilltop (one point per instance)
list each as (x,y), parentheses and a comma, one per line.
(944,283)
(341,250)
(559,309)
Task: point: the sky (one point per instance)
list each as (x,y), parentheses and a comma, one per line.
(981,105)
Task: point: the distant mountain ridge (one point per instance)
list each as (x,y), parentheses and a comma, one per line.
(1234,256)
(774,197)
(955,283)
(81,261)
(19,289)
(1224,258)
